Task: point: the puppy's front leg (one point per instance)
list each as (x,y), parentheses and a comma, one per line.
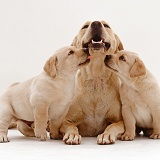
(129,122)
(25,129)
(156,126)
(55,125)
(41,119)
(54,128)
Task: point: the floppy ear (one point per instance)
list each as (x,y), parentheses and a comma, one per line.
(50,66)
(119,44)
(74,41)
(138,69)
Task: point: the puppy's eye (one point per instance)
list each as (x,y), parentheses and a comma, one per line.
(106,25)
(86,26)
(70,52)
(122,58)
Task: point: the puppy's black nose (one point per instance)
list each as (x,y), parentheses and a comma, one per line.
(107,58)
(96,24)
(86,50)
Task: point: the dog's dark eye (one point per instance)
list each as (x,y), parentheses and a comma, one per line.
(70,52)
(86,26)
(122,58)
(106,26)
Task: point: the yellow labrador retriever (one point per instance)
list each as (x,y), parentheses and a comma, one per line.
(96,103)
(43,97)
(139,92)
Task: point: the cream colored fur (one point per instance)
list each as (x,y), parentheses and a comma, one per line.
(139,92)
(96,103)
(43,97)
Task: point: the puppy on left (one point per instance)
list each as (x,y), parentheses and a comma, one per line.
(45,96)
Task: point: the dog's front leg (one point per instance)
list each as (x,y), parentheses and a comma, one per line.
(111,133)
(74,117)
(70,132)
(41,119)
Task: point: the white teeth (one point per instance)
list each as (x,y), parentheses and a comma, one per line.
(97,42)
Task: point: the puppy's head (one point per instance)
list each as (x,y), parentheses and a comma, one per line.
(66,61)
(98,34)
(125,64)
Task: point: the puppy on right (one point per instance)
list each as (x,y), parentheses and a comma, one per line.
(139,92)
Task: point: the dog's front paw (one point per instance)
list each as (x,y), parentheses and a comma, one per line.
(106,138)
(155,136)
(127,137)
(71,138)
(3,137)
(41,135)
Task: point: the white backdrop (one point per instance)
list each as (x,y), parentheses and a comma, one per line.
(31,30)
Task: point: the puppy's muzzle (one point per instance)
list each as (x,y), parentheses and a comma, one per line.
(107,58)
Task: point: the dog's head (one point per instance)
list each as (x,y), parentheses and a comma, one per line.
(125,64)
(66,61)
(97,34)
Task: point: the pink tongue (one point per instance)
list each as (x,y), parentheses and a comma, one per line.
(89,57)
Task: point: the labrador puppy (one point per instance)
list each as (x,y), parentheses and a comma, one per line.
(43,97)
(96,103)
(139,92)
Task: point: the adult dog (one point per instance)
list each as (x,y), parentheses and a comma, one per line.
(141,104)
(96,103)
(43,97)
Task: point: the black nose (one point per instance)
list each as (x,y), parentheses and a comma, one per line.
(107,58)
(86,51)
(96,24)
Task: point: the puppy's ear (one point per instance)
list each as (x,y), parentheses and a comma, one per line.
(74,43)
(138,69)
(119,44)
(50,66)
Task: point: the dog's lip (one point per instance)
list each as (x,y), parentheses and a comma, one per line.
(96,45)
(101,42)
(111,68)
(85,62)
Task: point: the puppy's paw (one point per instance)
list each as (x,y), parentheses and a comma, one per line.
(155,136)
(3,137)
(106,138)
(72,139)
(25,129)
(41,135)
(127,137)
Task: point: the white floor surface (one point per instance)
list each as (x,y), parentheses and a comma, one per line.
(24,148)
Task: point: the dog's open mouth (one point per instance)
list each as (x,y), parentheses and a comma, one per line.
(97,42)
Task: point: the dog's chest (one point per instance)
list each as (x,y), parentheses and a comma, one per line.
(94,121)
(92,125)
(96,86)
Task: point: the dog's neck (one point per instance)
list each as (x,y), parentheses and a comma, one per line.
(95,69)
